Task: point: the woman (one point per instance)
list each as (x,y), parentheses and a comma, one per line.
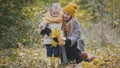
(73,44)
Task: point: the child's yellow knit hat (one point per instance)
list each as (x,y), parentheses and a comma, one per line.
(70,9)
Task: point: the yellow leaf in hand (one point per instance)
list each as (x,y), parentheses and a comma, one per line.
(54,43)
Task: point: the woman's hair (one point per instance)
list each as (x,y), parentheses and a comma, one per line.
(55,6)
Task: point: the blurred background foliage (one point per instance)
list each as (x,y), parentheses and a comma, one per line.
(19,20)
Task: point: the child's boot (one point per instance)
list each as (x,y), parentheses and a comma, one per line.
(56,61)
(49,62)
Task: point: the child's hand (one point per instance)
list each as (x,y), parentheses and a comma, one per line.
(42,26)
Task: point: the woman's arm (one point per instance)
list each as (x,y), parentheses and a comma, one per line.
(75,34)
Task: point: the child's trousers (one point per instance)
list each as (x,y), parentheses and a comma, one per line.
(53,56)
(52,50)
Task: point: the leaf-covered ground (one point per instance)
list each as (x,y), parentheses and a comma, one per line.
(34,57)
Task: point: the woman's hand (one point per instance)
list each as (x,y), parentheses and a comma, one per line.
(68,42)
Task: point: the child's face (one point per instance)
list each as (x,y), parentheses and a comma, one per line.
(66,16)
(55,12)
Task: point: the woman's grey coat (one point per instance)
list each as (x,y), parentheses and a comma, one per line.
(74,37)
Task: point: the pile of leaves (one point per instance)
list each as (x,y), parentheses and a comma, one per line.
(35,57)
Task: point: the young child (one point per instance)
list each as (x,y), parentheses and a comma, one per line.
(51,29)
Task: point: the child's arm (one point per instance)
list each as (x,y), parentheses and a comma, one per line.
(44,29)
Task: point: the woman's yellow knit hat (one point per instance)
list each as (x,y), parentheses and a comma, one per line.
(70,9)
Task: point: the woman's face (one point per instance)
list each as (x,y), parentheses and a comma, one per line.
(66,16)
